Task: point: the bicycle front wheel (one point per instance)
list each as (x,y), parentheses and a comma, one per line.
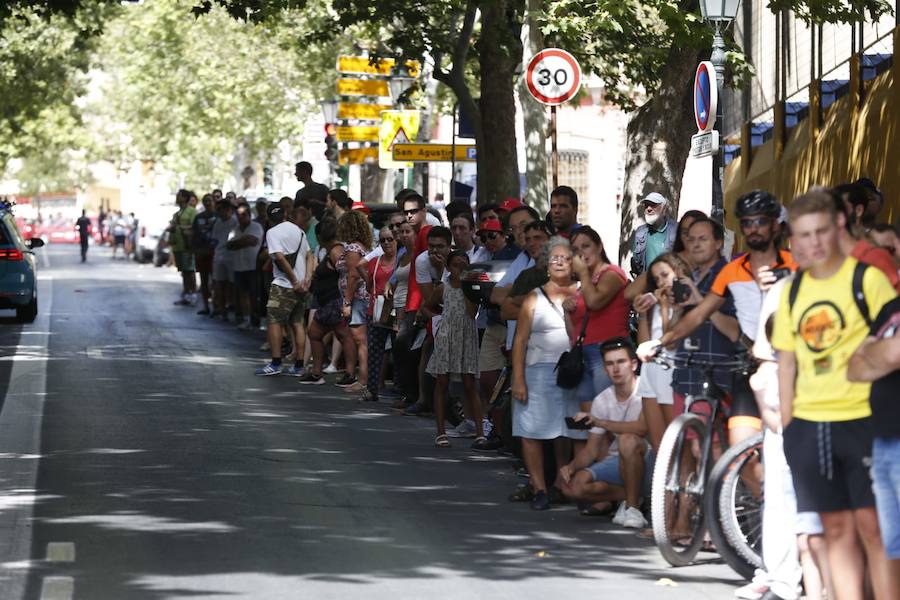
(734,506)
(676,498)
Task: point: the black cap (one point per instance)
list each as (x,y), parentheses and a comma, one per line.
(275,212)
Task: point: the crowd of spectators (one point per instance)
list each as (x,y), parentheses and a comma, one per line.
(390,305)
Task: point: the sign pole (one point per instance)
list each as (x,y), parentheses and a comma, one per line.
(453,153)
(554,155)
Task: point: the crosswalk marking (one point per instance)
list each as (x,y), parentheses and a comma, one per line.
(61,552)
(57,588)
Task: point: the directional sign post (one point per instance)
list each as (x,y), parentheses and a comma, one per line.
(434,153)
(553,77)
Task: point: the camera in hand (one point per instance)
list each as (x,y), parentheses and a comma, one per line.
(781,273)
(680,291)
(583,424)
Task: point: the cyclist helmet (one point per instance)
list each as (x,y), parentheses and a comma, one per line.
(757,202)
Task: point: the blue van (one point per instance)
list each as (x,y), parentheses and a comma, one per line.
(18,275)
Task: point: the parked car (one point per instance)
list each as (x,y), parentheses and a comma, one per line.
(147,242)
(161,250)
(57,231)
(18,268)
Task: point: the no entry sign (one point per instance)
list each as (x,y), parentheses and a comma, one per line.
(553,76)
(706,97)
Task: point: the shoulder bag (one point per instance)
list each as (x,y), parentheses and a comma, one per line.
(570,366)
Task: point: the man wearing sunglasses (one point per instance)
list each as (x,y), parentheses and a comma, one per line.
(745,280)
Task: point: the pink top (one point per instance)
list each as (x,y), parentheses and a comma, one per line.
(608,322)
(379,274)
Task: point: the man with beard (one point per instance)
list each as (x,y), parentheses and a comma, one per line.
(745,280)
(656,236)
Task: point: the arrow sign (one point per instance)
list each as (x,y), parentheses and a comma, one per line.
(706,97)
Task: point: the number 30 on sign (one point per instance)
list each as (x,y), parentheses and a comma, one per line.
(553,76)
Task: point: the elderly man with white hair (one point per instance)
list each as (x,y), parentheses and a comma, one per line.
(656,236)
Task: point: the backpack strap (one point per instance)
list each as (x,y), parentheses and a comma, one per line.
(795,289)
(859,296)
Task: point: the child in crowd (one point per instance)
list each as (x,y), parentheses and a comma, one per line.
(455,347)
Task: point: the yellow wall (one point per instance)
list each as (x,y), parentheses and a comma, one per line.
(94,193)
(855,139)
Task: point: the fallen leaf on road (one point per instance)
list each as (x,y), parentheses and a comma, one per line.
(665,581)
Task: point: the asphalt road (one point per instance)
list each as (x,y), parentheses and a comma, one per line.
(140,458)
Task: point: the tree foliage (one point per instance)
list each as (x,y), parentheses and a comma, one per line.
(190,92)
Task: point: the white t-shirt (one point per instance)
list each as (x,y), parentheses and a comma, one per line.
(375,253)
(220,234)
(244,259)
(432,220)
(286,238)
(608,408)
(426,273)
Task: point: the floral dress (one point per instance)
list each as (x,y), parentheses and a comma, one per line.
(456,340)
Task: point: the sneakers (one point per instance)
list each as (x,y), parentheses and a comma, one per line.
(355,388)
(330,370)
(540,501)
(754,590)
(486,425)
(633,518)
(293,371)
(311,379)
(620,514)
(245,326)
(491,444)
(182,302)
(268,370)
(265,347)
(416,409)
(465,429)
(344,380)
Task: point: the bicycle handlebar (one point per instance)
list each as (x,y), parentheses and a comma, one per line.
(669,362)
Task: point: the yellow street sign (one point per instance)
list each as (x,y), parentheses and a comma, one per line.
(358,156)
(433,153)
(366,112)
(361,65)
(397,127)
(358,133)
(362,87)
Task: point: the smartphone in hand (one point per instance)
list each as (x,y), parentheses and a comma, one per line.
(573,424)
(680,291)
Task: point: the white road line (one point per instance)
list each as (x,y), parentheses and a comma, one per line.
(61,552)
(20,441)
(57,588)
(45,259)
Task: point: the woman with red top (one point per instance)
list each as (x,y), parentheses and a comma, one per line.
(601,300)
(380,271)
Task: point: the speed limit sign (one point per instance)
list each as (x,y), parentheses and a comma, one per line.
(553,76)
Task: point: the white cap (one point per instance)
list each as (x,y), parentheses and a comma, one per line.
(655,198)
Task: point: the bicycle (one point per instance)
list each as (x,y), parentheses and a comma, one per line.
(684,472)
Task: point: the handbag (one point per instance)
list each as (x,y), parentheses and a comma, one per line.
(330,314)
(383,312)
(570,366)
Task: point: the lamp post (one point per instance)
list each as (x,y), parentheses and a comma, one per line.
(399,83)
(329,113)
(719,14)
(329,110)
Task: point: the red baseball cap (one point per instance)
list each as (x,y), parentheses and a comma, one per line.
(357,205)
(510,204)
(491,225)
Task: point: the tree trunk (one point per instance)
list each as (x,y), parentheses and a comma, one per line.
(535,117)
(500,53)
(371,182)
(659,141)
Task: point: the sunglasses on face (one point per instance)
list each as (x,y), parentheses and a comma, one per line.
(492,235)
(387,240)
(560,260)
(412,211)
(394,225)
(755,221)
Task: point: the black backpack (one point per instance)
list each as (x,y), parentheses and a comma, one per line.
(859,296)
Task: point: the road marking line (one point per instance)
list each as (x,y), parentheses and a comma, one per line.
(61,552)
(57,588)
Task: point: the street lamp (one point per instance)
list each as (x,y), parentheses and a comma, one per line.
(400,81)
(719,13)
(329,110)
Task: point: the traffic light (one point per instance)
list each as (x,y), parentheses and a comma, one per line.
(331,144)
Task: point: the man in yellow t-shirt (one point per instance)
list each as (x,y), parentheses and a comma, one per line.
(827,426)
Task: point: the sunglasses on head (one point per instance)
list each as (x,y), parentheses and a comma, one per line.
(749,222)
(491,235)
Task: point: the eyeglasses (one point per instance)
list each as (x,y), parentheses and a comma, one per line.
(491,235)
(412,211)
(560,260)
(394,225)
(386,240)
(755,221)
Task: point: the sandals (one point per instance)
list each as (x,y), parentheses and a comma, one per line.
(442,441)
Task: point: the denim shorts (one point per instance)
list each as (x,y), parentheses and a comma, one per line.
(886,472)
(595,379)
(607,470)
(358,312)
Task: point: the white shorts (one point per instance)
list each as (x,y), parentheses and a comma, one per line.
(656,382)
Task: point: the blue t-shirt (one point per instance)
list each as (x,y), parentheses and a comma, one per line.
(522,262)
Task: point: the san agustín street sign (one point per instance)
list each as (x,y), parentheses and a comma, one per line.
(706,100)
